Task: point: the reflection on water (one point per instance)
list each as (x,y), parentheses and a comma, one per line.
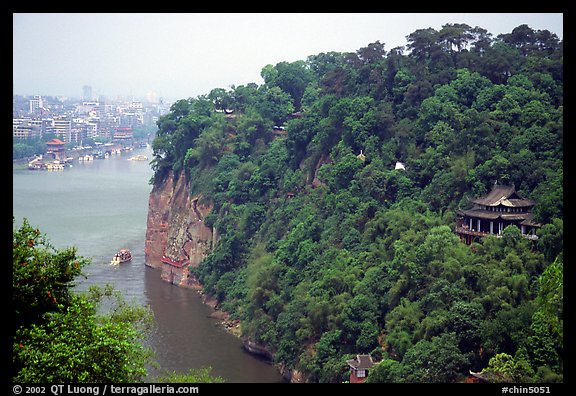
(101,206)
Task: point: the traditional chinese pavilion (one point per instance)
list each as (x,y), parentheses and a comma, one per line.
(56,148)
(495,211)
(359,368)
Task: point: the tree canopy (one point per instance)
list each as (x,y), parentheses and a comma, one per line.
(327,250)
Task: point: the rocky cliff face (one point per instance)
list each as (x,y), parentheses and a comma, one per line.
(177,239)
(175,230)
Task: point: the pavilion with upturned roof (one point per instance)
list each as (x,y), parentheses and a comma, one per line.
(495,211)
(55,147)
(359,368)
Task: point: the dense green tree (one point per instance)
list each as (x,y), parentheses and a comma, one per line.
(437,360)
(291,78)
(423,43)
(401,325)
(547,341)
(42,275)
(275,104)
(506,331)
(549,196)
(22,148)
(343,172)
(464,319)
(506,368)
(177,131)
(386,371)
(551,238)
(221,98)
(243,96)
(77,344)
(60,336)
(208,147)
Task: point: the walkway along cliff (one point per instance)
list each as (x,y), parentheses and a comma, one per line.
(176,236)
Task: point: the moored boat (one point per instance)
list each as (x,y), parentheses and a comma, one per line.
(139,157)
(121,256)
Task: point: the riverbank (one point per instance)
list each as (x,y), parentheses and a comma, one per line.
(234,327)
(100,151)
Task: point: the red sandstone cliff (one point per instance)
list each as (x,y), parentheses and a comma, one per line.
(175,228)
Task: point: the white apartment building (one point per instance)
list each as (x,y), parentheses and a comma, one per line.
(87,108)
(25,128)
(84,128)
(36,104)
(62,127)
(136,105)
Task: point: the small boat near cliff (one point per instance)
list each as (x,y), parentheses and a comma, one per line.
(139,157)
(122,256)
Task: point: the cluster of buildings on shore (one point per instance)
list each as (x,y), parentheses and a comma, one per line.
(57,157)
(73,121)
(82,129)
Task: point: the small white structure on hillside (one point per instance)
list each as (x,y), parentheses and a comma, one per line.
(399,165)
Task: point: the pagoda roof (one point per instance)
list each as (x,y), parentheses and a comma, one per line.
(55,141)
(529,221)
(362,362)
(505,196)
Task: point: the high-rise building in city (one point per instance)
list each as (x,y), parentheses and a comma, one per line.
(62,127)
(87,93)
(36,104)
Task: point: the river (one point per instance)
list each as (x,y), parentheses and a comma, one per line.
(101,206)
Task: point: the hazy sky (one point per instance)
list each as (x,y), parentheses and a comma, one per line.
(186,55)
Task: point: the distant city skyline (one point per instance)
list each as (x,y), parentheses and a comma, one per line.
(150,97)
(177,56)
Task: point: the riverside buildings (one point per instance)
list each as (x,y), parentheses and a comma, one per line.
(74,121)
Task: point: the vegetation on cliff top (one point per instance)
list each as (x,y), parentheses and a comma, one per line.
(327,250)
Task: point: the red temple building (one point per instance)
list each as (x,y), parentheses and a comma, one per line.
(56,148)
(495,211)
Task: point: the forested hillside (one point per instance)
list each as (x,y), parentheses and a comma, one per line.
(327,250)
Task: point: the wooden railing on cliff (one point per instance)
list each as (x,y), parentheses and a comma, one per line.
(467,231)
